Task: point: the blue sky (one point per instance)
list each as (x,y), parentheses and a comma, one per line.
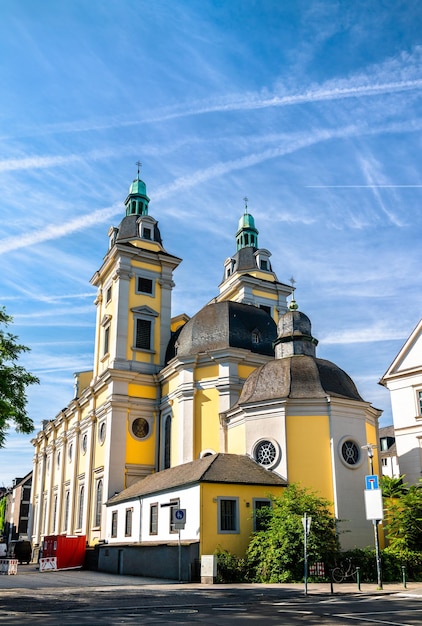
(310,109)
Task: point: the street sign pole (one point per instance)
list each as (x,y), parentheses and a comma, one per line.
(375,513)
(377,553)
(180,559)
(306,521)
(179,521)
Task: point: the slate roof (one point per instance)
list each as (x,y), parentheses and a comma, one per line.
(129,229)
(298,376)
(227,324)
(216,468)
(387,432)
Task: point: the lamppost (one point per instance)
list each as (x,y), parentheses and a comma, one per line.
(370,447)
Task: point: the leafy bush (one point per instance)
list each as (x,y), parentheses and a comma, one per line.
(393,561)
(391,564)
(275,554)
(230,567)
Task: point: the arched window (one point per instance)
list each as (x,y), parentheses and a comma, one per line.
(66,510)
(55,514)
(81,506)
(44,516)
(167,442)
(98,502)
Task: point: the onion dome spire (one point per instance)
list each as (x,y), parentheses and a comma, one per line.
(293,306)
(294,333)
(137,201)
(247,233)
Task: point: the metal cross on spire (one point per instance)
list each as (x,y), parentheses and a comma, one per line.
(246,203)
(139,164)
(293,304)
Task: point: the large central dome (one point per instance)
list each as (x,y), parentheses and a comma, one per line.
(228,324)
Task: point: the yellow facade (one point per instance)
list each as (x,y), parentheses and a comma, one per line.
(207,426)
(236,543)
(304,450)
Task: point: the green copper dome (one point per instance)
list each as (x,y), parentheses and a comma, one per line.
(137,200)
(138,187)
(246,221)
(247,233)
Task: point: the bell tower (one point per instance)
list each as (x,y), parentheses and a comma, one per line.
(248,275)
(134,292)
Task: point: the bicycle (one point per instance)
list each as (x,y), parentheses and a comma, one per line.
(344,571)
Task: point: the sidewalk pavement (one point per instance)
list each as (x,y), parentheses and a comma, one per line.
(29,577)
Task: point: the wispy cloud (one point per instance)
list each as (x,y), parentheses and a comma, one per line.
(367,334)
(363,186)
(55,231)
(36,162)
(396,75)
(330,93)
(296,142)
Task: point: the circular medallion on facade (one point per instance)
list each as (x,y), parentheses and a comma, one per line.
(350,452)
(266,453)
(140,427)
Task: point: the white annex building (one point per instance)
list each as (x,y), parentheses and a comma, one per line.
(404,380)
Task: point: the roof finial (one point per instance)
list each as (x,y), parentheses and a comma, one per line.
(246,203)
(293,306)
(139,164)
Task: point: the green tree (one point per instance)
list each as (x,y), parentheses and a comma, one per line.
(404,521)
(3,501)
(14,379)
(393,487)
(275,554)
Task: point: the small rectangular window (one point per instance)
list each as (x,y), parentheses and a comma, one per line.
(114,524)
(153,519)
(420,402)
(147,233)
(108,296)
(145,285)
(143,334)
(228,515)
(264,264)
(128,523)
(265,308)
(259,504)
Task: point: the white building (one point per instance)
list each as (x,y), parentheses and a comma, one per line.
(404,380)
(388,453)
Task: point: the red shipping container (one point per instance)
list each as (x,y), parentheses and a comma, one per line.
(69,551)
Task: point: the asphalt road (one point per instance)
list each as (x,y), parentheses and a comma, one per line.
(77,597)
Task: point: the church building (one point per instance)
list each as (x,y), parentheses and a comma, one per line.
(240,381)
